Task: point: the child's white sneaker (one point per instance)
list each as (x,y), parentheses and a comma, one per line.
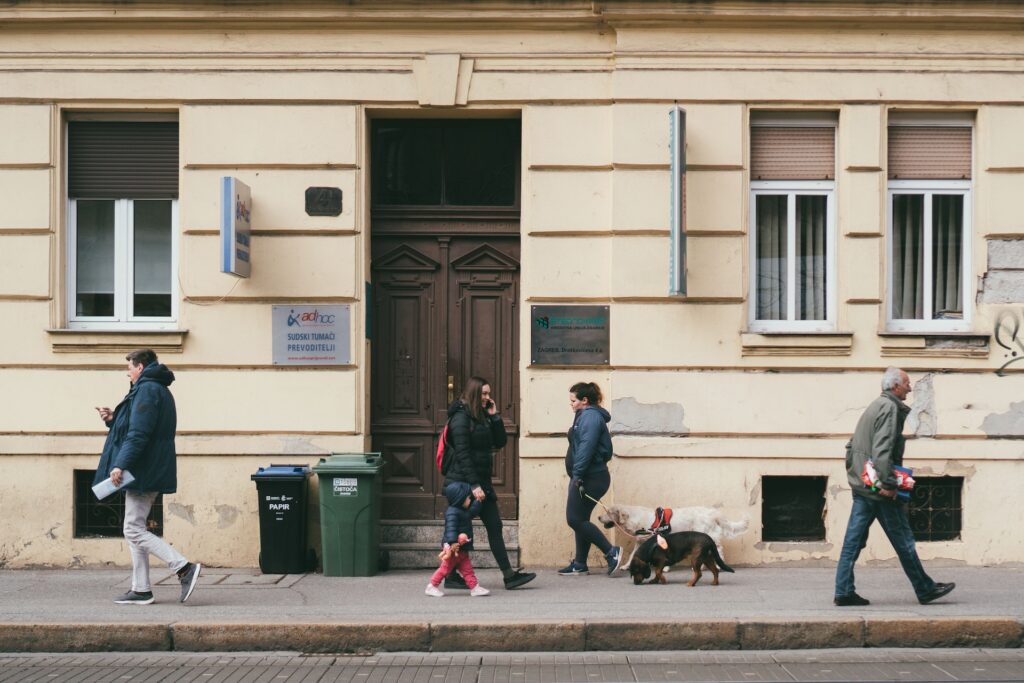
(479,591)
(434,591)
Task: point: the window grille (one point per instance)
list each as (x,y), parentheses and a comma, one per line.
(105,518)
(793,508)
(936,508)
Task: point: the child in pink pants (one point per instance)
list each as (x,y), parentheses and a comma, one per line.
(457,541)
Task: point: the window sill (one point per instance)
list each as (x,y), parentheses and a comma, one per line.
(116,341)
(935,344)
(796,343)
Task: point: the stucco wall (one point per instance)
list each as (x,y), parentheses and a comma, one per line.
(702,407)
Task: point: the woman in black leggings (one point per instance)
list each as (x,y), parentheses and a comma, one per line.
(586,463)
(476,431)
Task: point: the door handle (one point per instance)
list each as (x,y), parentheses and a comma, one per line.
(451,389)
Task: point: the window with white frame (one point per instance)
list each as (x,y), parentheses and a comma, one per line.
(122,223)
(792,222)
(929,209)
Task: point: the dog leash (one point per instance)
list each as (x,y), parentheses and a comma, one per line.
(583,492)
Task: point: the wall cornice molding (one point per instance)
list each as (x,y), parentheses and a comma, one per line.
(960,15)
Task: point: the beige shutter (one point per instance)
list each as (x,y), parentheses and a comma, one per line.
(792,153)
(929,152)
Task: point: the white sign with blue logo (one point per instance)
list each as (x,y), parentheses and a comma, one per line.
(307,334)
(235,227)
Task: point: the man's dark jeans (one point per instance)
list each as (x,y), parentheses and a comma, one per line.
(893,518)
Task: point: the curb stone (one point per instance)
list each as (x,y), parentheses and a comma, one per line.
(801,634)
(950,632)
(85,637)
(527,636)
(698,634)
(551,636)
(302,637)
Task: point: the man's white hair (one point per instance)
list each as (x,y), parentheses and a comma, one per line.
(890,378)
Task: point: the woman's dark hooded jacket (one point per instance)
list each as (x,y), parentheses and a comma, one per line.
(141,436)
(474,443)
(457,519)
(590,444)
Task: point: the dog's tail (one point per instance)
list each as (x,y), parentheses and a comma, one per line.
(730,529)
(720,562)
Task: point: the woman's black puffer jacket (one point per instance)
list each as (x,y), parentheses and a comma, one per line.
(474,443)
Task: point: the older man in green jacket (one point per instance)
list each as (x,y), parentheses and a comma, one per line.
(879,439)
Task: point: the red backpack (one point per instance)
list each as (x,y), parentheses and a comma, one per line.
(443,457)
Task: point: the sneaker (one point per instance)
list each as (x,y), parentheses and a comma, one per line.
(518,579)
(133,598)
(574,569)
(434,591)
(479,591)
(455,580)
(851,600)
(189,578)
(614,559)
(940,590)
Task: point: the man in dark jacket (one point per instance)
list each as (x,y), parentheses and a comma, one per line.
(879,439)
(141,441)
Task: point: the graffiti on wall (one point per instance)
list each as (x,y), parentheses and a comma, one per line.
(1008,335)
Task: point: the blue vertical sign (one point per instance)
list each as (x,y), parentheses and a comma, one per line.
(235,227)
(677,213)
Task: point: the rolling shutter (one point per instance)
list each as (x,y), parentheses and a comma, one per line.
(792,153)
(929,152)
(122,159)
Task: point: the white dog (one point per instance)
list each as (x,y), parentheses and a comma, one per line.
(636,519)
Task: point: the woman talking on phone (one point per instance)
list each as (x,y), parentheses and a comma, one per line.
(586,463)
(476,431)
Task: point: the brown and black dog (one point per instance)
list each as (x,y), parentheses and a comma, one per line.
(692,547)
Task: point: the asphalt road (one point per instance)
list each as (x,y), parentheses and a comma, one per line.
(283,667)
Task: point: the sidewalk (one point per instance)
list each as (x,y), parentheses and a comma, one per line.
(753,609)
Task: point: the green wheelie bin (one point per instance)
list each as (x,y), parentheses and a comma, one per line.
(350,493)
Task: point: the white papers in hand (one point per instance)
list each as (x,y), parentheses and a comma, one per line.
(106,487)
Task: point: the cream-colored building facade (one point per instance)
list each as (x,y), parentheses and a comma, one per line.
(707,403)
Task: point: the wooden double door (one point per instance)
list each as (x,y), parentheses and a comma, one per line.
(444,309)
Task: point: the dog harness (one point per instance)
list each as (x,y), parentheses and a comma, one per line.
(662,521)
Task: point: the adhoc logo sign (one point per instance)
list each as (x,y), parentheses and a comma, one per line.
(569,335)
(235,227)
(311,334)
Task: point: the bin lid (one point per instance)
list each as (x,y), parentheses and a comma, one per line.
(280,472)
(349,463)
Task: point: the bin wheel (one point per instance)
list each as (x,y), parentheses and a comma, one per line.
(384,561)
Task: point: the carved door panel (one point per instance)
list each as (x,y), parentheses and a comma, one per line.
(483,340)
(444,306)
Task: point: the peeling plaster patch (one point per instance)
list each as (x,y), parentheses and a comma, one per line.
(50,534)
(835,490)
(298,445)
(755,494)
(629,416)
(226,516)
(923,419)
(1010,423)
(186,512)
(803,546)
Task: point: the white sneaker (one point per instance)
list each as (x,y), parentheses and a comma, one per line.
(434,591)
(479,591)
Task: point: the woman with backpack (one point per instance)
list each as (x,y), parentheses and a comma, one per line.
(586,463)
(475,431)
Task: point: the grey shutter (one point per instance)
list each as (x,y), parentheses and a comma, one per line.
(929,152)
(122,159)
(792,152)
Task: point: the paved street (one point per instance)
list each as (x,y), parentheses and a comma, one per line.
(806,665)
